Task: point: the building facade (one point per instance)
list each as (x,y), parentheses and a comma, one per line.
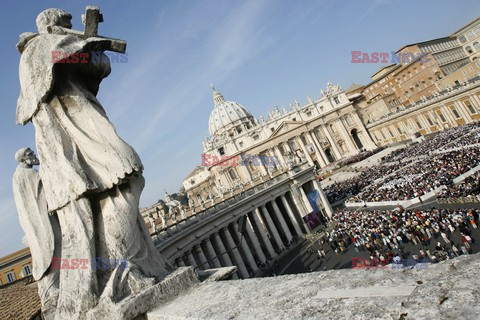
(15,266)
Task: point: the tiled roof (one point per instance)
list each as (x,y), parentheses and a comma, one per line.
(19,300)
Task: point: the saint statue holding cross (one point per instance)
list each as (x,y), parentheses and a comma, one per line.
(91,178)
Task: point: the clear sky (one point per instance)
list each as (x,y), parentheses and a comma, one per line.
(260,53)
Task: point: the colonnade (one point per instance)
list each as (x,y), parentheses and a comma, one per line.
(254,238)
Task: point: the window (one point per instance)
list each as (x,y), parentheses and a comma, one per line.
(192,182)
(255,137)
(239,129)
(430,122)
(309,113)
(26,270)
(455,112)
(273,129)
(471,109)
(232,174)
(440,114)
(10,277)
(418,124)
(240,143)
(336,100)
(221,150)
(294,119)
(390,131)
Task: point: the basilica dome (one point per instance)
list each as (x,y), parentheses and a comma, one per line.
(227,115)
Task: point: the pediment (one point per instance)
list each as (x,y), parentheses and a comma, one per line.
(285,127)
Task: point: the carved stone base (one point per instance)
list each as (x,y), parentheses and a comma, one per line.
(134,306)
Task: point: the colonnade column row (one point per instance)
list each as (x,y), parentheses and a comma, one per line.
(281,220)
(179,261)
(191,259)
(222,251)
(254,241)
(235,254)
(290,213)
(258,225)
(273,229)
(214,262)
(202,260)
(245,248)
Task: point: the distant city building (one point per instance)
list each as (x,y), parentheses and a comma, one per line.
(15,266)
(469,38)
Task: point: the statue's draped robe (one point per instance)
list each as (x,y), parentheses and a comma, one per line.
(91,177)
(77,144)
(41,230)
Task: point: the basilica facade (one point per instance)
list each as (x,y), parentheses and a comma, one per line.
(242,150)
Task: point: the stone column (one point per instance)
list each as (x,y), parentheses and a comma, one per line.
(448,114)
(322,157)
(463,111)
(281,159)
(335,150)
(202,260)
(180,262)
(305,200)
(367,138)
(436,119)
(286,146)
(191,259)
(304,150)
(272,228)
(323,198)
(347,137)
(260,163)
(246,172)
(235,255)
(294,221)
(281,220)
(426,125)
(214,262)
(223,255)
(254,240)
(245,248)
(266,241)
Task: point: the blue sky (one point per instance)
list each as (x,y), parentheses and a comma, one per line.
(260,53)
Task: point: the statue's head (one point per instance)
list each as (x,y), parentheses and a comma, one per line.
(53,17)
(27,157)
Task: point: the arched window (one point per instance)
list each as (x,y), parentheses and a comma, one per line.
(469,50)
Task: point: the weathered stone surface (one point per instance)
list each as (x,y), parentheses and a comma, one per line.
(91,179)
(447,290)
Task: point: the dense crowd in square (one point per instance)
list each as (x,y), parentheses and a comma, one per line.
(384,234)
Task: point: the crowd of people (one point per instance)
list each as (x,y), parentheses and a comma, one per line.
(384,234)
(351,187)
(470,187)
(446,139)
(421,177)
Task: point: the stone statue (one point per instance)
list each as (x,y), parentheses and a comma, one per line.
(152,221)
(174,207)
(90,177)
(42,230)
